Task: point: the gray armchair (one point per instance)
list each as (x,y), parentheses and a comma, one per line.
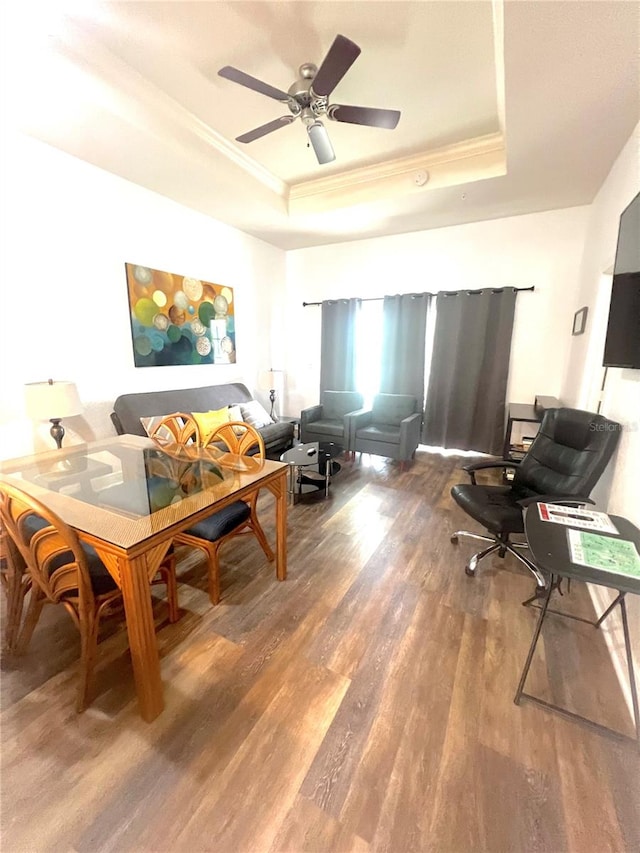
(390,428)
(330,420)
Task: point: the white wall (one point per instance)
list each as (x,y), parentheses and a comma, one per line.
(68,229)
(540,249)
(618,490)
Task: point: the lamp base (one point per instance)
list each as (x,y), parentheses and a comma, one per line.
(57,431)
(272,397)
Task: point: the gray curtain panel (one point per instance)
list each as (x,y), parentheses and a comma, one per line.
(465,406)
(337,348)
(404,322)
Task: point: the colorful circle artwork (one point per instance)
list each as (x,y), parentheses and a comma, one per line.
(179,320)
(192,288)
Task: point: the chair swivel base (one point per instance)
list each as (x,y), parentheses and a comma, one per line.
(502,547)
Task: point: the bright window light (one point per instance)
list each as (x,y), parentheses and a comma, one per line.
(368,349)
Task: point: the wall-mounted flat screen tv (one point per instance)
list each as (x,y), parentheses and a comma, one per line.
(622,344)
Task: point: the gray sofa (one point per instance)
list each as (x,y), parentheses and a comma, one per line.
(129,408)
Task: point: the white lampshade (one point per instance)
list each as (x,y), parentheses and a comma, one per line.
(270,379)
(47,400)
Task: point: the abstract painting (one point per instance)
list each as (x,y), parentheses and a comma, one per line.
(179,320)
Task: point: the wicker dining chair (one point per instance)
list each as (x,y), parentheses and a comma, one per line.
(179,427)
(64,570)
(16,583)
(238,518)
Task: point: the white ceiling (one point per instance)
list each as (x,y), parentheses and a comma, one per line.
(510,108)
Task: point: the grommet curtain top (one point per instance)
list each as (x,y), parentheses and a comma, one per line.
(426,293)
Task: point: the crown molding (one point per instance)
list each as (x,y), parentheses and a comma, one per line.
(461,163)
(134,98)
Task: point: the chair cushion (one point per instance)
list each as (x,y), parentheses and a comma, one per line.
(336,404)
(494,507)
(141,496)
(328,427)
(569,453)
(101,580)
(380,432)
(392,408)
(218,524)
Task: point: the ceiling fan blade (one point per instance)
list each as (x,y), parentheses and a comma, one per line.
(257,132)
(369,116)
(237,76)
(341,56)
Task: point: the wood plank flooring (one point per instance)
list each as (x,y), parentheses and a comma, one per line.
(365,704)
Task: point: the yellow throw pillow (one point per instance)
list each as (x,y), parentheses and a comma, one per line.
(210,421)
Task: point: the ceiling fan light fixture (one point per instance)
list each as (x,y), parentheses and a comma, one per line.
(320,141)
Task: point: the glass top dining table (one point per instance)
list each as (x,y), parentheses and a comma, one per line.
(127,496)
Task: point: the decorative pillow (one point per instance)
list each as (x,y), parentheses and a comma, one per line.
(255,415)
(210,421)
(235,414)
(150,425)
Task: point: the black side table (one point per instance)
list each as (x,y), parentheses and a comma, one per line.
(522,413)
(291,419)
(311,466)
(549,547)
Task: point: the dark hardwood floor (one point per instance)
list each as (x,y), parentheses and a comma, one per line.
(364,704)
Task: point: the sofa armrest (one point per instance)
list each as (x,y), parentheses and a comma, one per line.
(353,421)
(360,418)
(117,423)
(410,434)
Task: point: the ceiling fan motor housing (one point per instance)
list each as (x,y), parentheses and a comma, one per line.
(303,101)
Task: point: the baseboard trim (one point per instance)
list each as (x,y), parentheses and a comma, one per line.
(612,630)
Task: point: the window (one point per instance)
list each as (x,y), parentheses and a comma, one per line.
(368,348)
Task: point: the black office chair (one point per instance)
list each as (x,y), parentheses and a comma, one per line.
(562,465)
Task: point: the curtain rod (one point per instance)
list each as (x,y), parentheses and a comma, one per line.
(441,292)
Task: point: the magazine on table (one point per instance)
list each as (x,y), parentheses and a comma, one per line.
(618,556)
(586,519)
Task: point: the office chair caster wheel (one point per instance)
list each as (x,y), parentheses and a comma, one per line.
(453,539)
(468,570)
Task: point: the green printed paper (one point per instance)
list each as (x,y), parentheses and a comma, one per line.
(604,552)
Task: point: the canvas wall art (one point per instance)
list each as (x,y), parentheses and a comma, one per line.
(178,320)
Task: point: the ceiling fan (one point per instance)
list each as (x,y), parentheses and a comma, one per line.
(308,99)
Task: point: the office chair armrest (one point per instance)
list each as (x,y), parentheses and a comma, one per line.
(472,467)
(554,499)
(478,466)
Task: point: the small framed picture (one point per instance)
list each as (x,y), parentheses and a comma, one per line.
(580,321)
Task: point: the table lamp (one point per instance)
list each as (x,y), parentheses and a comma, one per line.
(269,380)
(58,399)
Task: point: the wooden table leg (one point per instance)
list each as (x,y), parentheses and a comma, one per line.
(279,490)
(136,592)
